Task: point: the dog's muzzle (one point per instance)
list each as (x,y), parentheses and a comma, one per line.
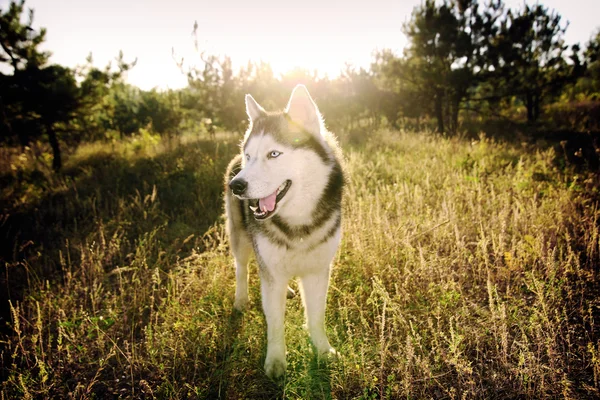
(238,186)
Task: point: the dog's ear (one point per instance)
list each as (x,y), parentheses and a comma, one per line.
(302,109)
(253,109)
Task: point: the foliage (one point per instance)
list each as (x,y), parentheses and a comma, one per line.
(19,42)
(41,99)
(479,57)
(133,109)
(466,60)
(583,115)
(36,96)
(531,56)
(449,54)
(589,83)
(99,87)
(161,110)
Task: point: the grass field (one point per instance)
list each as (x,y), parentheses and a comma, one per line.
(467,269)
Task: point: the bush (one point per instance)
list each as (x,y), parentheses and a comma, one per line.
(579,115)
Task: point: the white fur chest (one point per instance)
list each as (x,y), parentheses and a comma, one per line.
(307,254)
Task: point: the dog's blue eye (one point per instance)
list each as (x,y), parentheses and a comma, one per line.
(274,154)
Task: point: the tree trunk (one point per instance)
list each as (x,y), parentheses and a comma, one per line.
(529,105)
(532,102)
(454,114)
(56,161)
(439,112)
(536,107)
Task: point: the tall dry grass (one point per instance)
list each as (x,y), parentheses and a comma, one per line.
(467,270)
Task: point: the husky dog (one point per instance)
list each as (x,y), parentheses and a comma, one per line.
(283,198)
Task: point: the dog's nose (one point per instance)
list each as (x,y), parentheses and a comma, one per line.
(238,186)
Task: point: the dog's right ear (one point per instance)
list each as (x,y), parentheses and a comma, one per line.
(253,109)
(302,109)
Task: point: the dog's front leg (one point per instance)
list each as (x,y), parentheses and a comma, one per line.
(273,299)
(314,294)
(241,251)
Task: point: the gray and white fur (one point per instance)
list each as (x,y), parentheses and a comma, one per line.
(283,198)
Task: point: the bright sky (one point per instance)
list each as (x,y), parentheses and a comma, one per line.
(312,34)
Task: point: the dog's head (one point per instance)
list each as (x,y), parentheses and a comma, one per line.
(285,156)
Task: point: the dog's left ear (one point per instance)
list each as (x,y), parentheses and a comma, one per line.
(253,109)
(302,109)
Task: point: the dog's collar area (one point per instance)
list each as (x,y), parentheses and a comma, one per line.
(261,210)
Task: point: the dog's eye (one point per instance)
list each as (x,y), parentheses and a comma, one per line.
(247,157)
(274,154)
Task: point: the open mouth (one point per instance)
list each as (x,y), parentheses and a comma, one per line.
(265,207)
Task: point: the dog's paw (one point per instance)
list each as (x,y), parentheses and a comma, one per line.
(330,354)
(275,368)
(240,304)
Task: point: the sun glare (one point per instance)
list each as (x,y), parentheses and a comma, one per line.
(162,75)
(287,36)
(326,56)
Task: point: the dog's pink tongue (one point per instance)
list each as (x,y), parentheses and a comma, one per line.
(268,203)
